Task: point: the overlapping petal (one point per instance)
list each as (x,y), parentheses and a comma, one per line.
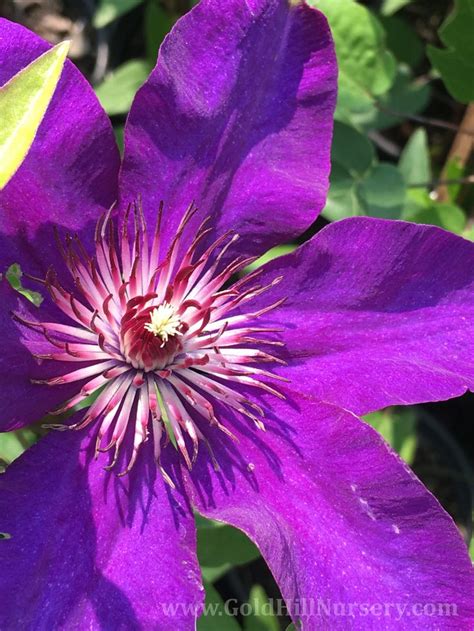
(377,313)
(24,402)
(353,538)
(237,116)
(88,550)
(69,176)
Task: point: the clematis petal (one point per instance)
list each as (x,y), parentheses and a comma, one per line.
(377,313)
(352,537)
(70,173)
(22,401)
(237,116)
(90,550)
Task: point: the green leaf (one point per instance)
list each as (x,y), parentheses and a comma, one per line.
(203,522)
(415,163)
(420,208)
(158,23)
(456,62)
(406,97)
(262,618)
(13,444)
(389,7)
(116,92)
(165,418)
(358,184)
(398,427)
(119,137)
(403,41)
(273,253)
(110,10)
(366,67)
(215,617)
(14,275)
(351,149)
(212,574)
(221,544)
(454,170)
(24,100)
(352,156)
(383,192)
(343,197)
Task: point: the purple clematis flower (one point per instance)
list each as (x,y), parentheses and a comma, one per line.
(229,137)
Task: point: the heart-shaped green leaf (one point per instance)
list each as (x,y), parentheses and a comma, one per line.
(456,62)
(366,68)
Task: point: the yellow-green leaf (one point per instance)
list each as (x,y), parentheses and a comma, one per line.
(24,100)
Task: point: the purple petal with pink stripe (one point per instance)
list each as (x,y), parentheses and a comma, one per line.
(237,116)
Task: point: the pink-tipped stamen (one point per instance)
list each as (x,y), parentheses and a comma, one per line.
(161,337)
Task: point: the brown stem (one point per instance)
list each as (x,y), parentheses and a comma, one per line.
(460,151)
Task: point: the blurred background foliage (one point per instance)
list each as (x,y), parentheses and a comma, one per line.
(402,149)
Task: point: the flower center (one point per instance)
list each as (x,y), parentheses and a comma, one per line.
(159,337)
(149,335)
(164,322)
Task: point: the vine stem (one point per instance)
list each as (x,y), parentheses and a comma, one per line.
(460,151)
(469,179)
